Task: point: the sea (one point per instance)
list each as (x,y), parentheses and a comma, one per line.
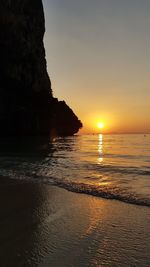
(115,167)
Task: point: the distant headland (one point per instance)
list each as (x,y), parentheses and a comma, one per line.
(27,105)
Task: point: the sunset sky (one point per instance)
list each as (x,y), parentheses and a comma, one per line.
(98,57)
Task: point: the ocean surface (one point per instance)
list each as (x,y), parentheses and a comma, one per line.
(115,167)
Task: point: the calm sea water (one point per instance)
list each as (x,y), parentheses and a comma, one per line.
(109,166)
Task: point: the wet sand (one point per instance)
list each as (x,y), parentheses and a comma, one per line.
(42,225)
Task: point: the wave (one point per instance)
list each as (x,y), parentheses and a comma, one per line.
(126,156)
(104,193)
(119,169)
(112,193)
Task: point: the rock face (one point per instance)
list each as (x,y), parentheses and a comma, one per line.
(64,121)
(27,106)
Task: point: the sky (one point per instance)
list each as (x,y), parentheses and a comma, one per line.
(98,60)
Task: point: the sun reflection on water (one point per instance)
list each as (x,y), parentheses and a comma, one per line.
(100,148)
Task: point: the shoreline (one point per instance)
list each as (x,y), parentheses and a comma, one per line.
(44,225)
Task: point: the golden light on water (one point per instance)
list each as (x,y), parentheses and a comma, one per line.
(100,148)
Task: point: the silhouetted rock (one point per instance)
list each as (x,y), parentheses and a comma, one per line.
(64,121)
(27,106)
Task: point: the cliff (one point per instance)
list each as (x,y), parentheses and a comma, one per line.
(27,106)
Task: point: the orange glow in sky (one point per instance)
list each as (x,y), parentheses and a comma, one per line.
(98,60)
(95,123)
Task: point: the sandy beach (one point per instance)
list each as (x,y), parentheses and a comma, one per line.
(42,225)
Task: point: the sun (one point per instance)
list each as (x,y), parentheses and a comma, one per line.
(100,125)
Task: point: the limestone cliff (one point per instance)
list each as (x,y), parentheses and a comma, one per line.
(26,102)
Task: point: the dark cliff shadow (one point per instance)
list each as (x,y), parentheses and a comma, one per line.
(25,146)
(27,105)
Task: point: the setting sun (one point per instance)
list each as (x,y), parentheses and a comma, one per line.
(100,125)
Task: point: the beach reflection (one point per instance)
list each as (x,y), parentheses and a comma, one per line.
(100,148)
